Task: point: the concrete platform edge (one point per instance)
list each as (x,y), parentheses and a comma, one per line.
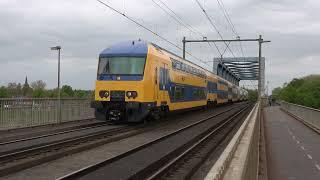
(228,157)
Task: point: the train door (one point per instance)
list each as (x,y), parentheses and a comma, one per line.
(164,82)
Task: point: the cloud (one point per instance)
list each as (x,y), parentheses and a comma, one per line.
(84,28)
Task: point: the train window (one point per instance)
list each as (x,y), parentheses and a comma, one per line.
(182,67)
(187,68)
(172,92)
(179,93)
(190,69)
(179,65)
(202,93)
(182,92)
(174,64)
(194,93)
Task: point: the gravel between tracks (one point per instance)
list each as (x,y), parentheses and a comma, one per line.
(65,165)
(12,134)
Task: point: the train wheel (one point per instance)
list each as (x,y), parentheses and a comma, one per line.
(164,111)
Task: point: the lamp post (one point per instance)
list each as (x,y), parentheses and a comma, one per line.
(58,48)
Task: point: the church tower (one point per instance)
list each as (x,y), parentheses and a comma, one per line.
(26,87)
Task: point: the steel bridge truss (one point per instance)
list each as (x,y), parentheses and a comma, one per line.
(243,68)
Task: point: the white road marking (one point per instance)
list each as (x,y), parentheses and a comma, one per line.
(309,156)
(317,166)
(302,148)
(298,141)
(293,137)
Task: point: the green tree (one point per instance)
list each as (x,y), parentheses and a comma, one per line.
(13,89)
(80,93)
(3,92)
(66,91)
(38,89)
(304,91)
(39,84)
(276,92)
(39,93)
(252,95)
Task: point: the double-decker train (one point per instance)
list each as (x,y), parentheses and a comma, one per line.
(137,79)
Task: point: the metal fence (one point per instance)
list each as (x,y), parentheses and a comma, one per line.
(308,115)
(17,113)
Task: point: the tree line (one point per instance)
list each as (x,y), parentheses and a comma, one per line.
(304,91)
(37,89)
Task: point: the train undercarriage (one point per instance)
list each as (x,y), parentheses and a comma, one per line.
(124,111)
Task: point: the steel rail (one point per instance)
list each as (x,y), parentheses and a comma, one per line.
(91,168)
(157,174)
(90,126)
(15,155)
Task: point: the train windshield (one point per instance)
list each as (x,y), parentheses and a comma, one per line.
(121,65)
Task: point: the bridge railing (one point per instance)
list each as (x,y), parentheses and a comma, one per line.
(240,159)
(26,112)
(309,116)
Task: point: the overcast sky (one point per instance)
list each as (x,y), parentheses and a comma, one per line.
(85,27)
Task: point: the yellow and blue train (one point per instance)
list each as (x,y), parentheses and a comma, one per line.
(137,79)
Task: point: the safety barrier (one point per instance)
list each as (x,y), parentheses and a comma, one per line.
(240,159)
(17,113)
(309,116)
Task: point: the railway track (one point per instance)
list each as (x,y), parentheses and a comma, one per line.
(166,153)
(63,131)
(18,158)
(29,132)
(188,161)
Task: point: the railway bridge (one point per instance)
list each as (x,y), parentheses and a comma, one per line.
(236,141)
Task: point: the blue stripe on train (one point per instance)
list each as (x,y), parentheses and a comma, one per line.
(112,77)
(166,84)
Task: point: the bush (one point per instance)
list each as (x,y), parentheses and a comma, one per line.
(304,91)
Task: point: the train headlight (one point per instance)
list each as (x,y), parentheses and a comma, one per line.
(132,94)
(104,94)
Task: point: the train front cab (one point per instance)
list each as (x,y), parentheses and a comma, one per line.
(124,73)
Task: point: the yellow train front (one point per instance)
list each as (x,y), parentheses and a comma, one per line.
(136,79)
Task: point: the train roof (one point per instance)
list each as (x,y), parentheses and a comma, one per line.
(128,48)
(139,48)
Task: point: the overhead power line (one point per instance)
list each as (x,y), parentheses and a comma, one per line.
(180,21)
(226,15)
(148,29)
(193,29)
(213,25)
(173,17)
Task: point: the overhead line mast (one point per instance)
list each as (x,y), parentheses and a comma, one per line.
(227,16)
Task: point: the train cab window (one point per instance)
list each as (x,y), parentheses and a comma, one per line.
(121,65)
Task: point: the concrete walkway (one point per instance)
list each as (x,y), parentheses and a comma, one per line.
(293,149)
